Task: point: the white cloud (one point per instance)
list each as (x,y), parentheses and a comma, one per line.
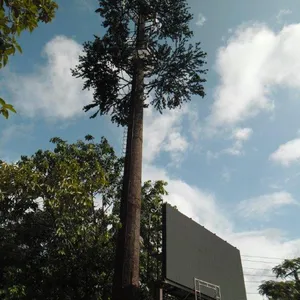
(262,206)
(238,138)
(235,149)
(176,146)
(282,13)
(200,20)
(240,135)
(254,60)
(163,133)
(176,142)
(287,153)
(51,91)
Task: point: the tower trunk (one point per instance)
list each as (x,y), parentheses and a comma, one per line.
(126,276)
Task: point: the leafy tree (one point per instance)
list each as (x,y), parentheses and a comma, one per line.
(55,243)
(48,251)
(289,287)
(144,52)
(15,17)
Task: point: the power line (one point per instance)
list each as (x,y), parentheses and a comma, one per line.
(258,261)
(253,281)
(267,257)
(260,275)
(256,269)
(258,281)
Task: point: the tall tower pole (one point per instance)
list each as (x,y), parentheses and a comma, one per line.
(126,275)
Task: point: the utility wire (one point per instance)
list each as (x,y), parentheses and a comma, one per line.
(258,261)
(267,257)
(260,275)
(255,281)
(256,269)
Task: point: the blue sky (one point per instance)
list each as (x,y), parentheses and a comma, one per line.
(231,159)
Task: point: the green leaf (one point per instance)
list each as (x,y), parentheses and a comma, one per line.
(10,50)
(9,107)
(61,252)
(5,60)
(5,108)
(5,113)
(19,48)
(19,30)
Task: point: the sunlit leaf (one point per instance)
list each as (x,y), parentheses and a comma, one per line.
(10,107)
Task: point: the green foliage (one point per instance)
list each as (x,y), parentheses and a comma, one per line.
(151,233)
(173,70)
(55,243)
(15,17)
(285,289)
(50,231)
(4,110)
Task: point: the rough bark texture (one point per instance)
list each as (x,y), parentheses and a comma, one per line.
(126,277)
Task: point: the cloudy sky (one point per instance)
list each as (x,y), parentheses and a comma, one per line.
(231,159)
